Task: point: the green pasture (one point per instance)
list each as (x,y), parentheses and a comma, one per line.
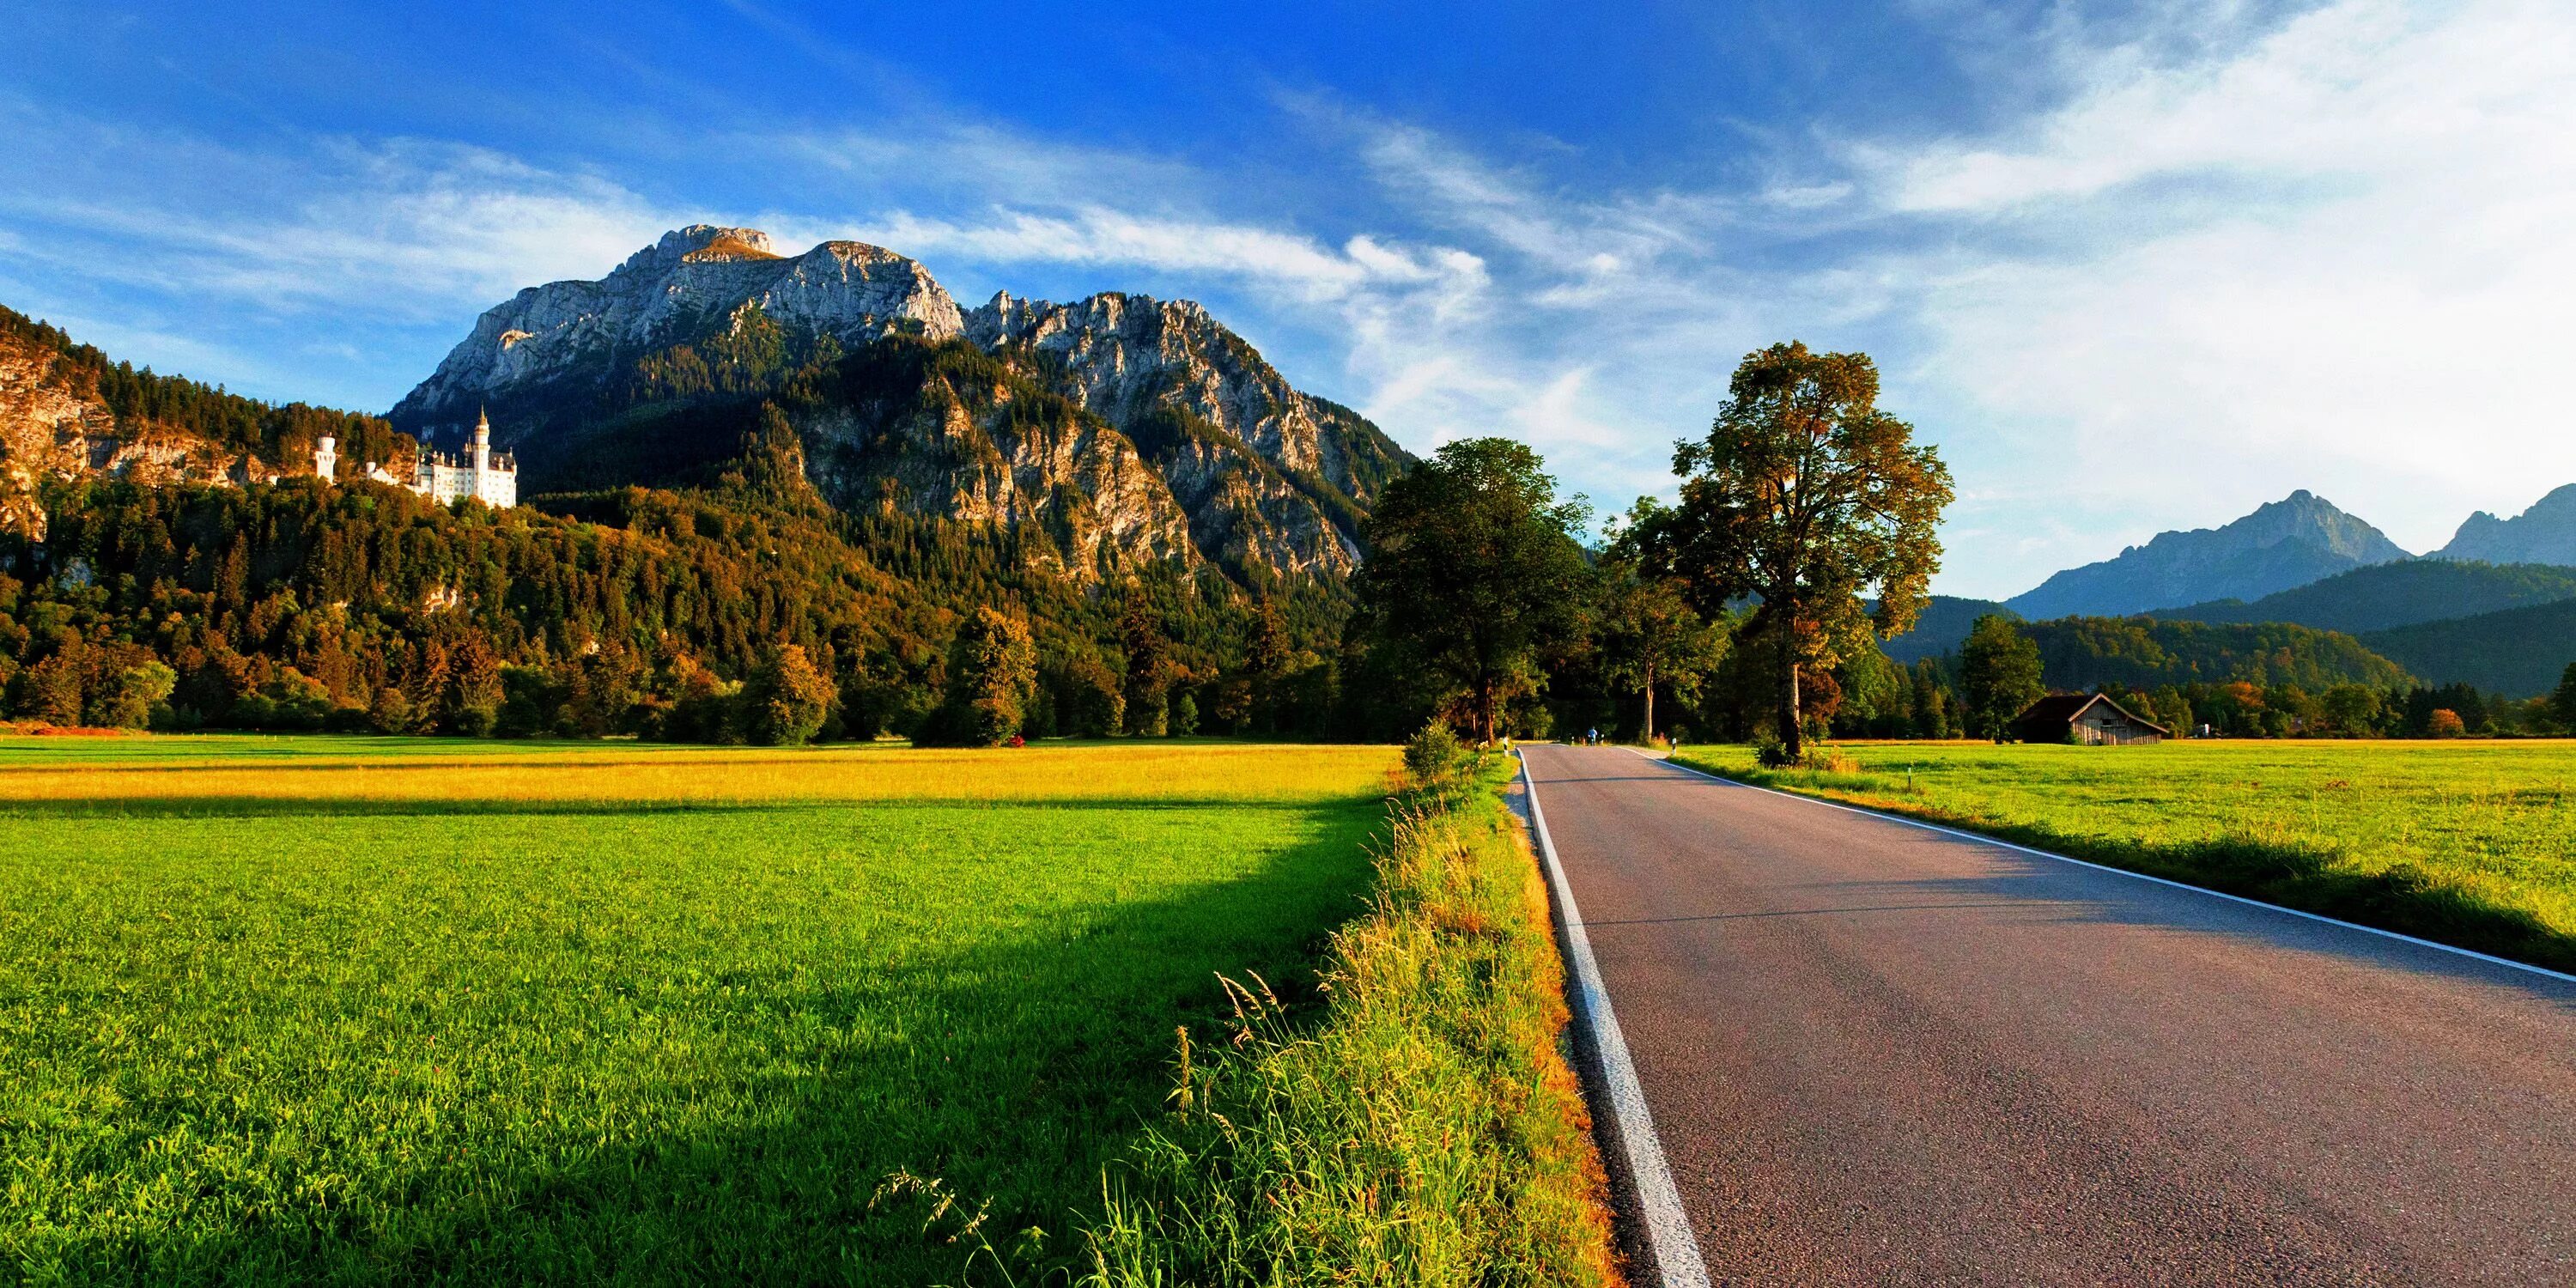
(490,1037)
(2471,842)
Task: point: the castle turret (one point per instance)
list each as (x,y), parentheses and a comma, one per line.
(482,441)
(326,458)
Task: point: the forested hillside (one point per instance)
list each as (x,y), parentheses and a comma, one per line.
(655,613)
(2141,652)
(68,412)
(2520,652)
(2394,594)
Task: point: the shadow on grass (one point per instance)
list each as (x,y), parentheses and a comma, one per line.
(1016,1071)
(2403,898)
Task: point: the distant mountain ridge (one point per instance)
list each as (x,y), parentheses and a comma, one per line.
(2384,596)
(1119,429)
(2543,534)
(2287,543)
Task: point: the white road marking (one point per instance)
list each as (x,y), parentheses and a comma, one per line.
(2488,958)
(1667,1227)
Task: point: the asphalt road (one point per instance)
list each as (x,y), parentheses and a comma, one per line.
(1879,1054)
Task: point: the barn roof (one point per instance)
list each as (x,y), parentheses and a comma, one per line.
(2061,709)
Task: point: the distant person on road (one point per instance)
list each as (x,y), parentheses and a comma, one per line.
(1592,737)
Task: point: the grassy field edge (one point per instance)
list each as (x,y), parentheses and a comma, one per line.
(1426,1130)
(2404,898)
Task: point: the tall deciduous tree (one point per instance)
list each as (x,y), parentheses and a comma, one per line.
(1807,497)
(1473,569)
(1999,674)
(788,698)
(1648,632)
(992,674)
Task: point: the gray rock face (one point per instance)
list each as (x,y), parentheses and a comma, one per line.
(2543,534)
(1254,461)
(693,282)
(2290,542)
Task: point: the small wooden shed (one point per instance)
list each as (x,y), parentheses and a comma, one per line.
(2087,718)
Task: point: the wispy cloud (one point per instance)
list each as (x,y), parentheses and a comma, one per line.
(401,229)
(2222,252)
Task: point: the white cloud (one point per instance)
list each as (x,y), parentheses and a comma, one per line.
(1098,235)
(405,229)
(2340,258)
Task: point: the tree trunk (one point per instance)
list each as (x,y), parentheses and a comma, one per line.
(1792,730)
(1650,702)
(1485,710)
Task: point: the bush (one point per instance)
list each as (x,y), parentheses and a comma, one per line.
(1432,756)
(787,698)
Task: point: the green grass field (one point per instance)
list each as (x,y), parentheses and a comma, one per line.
(360,1009)
(2468,842)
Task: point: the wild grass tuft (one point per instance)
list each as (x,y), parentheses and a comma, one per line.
(1424,1131)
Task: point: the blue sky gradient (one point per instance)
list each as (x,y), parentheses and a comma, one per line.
(2132,266)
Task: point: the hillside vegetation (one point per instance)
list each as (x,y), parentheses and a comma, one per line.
(137,397)
(2394,594)
(2520,652)
(2142,652)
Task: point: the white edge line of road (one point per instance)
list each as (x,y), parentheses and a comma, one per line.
(1666,1225)
(2454,950)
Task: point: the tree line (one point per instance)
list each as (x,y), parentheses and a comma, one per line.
(746,610)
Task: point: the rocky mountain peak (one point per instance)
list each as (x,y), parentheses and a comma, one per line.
(577,336)
(2543,534)
(2286,543)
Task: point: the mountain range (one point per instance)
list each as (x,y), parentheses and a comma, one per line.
(1126,429)
(2495,608)
(2287,543)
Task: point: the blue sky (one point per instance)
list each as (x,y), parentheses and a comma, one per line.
(2132,266)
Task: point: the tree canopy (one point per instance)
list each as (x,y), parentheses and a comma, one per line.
(1806,498)
(1473,570)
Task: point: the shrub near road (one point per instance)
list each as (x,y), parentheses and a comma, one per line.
(2468,843)
(346,1010)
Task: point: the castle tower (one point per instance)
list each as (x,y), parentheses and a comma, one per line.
(326,458)
(482,442)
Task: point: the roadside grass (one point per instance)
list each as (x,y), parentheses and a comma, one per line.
(2467,843)
(357,1010)
(1426,1130)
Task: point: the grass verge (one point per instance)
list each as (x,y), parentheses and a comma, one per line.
(2462,845)
(1426,1131)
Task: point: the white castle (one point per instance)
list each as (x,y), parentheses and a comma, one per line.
(489,477)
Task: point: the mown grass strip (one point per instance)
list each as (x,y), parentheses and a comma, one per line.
(2206,817)
(1426,1131)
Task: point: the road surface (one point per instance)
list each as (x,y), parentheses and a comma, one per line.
(1881,1054)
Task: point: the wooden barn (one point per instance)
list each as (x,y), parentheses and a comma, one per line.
(2087,718)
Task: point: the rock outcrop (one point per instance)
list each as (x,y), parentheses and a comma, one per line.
(52,427)
(563,340)
(1268,475)
(2543,534)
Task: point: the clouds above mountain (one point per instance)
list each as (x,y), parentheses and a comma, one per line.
(2133,272)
